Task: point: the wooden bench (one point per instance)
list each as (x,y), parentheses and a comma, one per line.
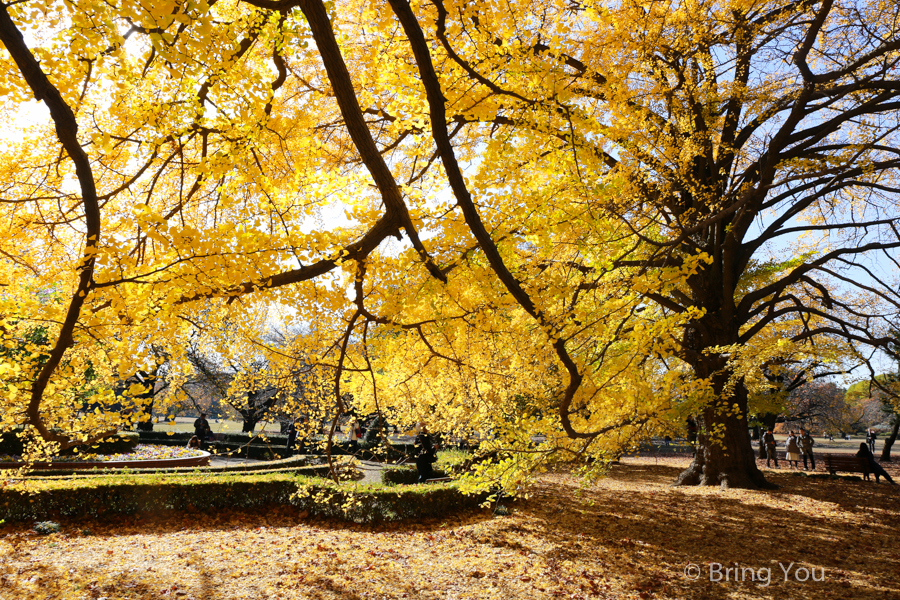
(438,479)
(849,463)
(212,441)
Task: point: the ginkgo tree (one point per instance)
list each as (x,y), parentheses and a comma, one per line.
(734,130)
(587,197)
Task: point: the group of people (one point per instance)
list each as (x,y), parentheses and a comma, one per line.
(796,446)
(424,448)
(202,433)
(802,446)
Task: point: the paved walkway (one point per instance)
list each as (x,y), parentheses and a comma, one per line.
(224,461)
(371,471)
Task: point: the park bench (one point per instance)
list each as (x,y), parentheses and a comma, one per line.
(212,441)
(846,462)
(438,479)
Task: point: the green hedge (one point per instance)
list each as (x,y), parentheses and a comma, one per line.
(295,463)
(106,496)
(154,437)
(123,442)
(236,444)
(405,475)
(10,442)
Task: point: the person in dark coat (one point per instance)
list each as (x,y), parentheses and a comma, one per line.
(871,439)
(806,447)
(201,428)
(425,454)
(874,467)
(291,437)
(771,444)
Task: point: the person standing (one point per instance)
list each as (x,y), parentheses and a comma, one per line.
(291,437)
(793,451)
(871,439)
(201,428)
(353,434)
(771,444)
(425,454)
(806,448)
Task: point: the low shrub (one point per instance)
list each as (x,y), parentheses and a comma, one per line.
(122,442)
(155,437)
(370,504)
(129,494)
(46,527)
(453,461)
(10,443)
(404,475)
(310,465)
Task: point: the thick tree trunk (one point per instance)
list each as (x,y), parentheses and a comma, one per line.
(145,417)
(724,454)
(886,451)
(249,424)
(147,425)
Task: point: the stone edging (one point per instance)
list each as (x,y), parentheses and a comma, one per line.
(160,463)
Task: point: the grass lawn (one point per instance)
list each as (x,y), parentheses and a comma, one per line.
(184,424)
(630,536)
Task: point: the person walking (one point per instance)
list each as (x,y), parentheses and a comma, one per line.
(771,444)
(806,448)
(874,467)
(871,439)
(793,451)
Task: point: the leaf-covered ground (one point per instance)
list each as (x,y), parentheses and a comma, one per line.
(636,539)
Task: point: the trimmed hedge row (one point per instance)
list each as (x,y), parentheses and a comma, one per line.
(237,445)
(310,465)
(104,496)
(404,475)
(158,437)
(123,442)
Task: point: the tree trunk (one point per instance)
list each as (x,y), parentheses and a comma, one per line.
(148,424)
(886,452)
(249,424)
(724,454)
(145,418)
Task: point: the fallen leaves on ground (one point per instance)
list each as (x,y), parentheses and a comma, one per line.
(629,536)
